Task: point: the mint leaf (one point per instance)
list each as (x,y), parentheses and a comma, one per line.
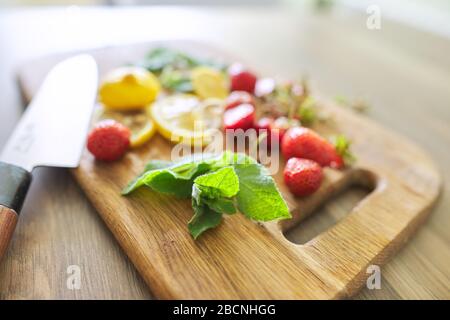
(159,58)
(210,192)
(221,183)
(221,205)
(258,197)
(204,218)
(163,180)
(216,183)
(157,164)
(176,80)
(176,179)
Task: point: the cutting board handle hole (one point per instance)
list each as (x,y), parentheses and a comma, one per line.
(326,213)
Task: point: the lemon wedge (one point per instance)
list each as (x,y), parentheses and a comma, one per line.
(139,122)
(209,83)
(184,118)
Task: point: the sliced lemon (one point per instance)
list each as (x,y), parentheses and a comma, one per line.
(184,118)
(208,114)
(209,83)
(139,122)
(128,88)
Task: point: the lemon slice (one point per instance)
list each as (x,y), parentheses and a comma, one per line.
(139,122)
(208,114)
(184,118)
(209,83)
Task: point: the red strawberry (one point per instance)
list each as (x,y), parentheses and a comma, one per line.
(265,126)
(238,97)
(239,117)
(302,142)
(243,81)
(283,124)
(108,140)
(302,176)
(264,123)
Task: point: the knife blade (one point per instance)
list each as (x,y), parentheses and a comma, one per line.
(51,132)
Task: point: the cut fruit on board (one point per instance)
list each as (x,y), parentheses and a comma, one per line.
(244,260)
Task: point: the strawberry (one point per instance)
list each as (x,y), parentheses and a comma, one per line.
(239,117)
(264,123)
(265,126)
(238,97)
(302,176)
(302,142)
(276,128)
(243,81)
(283,124)
(108,140)
(263,129)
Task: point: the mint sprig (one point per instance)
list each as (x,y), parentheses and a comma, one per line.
(217,184)
(258,197)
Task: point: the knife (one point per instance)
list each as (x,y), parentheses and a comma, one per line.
(52,132)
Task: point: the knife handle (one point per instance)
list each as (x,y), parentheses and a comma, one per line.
(14,184)
(8,221)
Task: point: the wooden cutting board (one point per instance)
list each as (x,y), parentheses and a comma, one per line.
(242,259)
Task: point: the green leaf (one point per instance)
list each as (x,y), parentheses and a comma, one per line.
(221,205)
(342,146)
(258,197)
(221,183)
(176,80)
(213,189)
(159,58)
(216,183)
(163,180)
(176,179)
(307,112)
(204,218)
(157,164)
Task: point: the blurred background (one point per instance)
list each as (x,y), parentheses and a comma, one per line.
(429,14)
(272,33)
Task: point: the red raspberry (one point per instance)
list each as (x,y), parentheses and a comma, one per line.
(108,140)
(302,176)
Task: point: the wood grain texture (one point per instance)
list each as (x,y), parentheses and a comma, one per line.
(8,221)
(243,259)
(403,73)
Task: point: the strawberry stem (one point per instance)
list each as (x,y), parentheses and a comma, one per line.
(342,146)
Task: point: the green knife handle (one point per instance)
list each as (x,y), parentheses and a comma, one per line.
(14,183)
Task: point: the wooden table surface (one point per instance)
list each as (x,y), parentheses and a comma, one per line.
(404,75)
